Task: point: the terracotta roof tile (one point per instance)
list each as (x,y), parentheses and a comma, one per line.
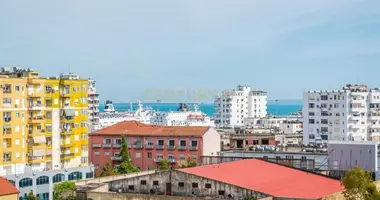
(270,178)
(138,128)
(7,187)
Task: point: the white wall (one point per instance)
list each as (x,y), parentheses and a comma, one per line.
(290,128)
(211,142)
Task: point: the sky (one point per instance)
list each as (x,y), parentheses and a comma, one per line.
(171,49)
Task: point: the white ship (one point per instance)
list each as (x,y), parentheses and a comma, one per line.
(182,117)
(110,116)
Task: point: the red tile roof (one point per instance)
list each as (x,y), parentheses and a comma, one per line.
(269,178)
(7,187)
(138,128)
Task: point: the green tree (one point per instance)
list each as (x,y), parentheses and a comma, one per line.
(164,165)
(108,170)
(359,185)
(61,188)
(31,196)
(189,163)
(126,165)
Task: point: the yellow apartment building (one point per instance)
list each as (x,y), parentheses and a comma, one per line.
(43,121)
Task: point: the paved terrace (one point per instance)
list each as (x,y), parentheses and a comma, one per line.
(107,179)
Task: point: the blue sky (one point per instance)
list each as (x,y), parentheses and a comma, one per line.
(130,47)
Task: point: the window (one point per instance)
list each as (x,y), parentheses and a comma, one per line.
(208,185)
(160,142)
(17,115)
(43,196)
(324,97)
(25,182)
(182,143)
(143,182)
(84,112)
(131,187)
(90,175)
(181,184)
(155,182)
(149,155)
(182,156)
(221,192)
(194,143)
(138,155)
(42,180)
(311,113)
(17,88)
(311,105)
(171,143)
(311,121)
(106,153)
(194,185)
(324,121)
(58,178)
(75,176)
(84,124)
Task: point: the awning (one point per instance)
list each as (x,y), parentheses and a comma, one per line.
(39,139)
(69,112)
(39,152)
(7,126)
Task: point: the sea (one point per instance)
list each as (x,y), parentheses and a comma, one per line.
(208,109)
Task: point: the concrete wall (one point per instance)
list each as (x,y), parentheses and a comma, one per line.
(188,189)
(9,197)
(211,142)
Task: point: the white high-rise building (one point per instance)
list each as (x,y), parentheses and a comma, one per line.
(232,106)
(349,114)
(93,107)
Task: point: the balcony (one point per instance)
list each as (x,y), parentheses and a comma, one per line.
(106,146)
(35,106)
(67,145)
(67,156)
(48,157)
(37,146)
(137,146)
(36,159)
(193,148)
(36,132)
(157,160)
(116,158)
(160,147)
(171,147)
(355,118)
(117,146)
(181,147)
(358,109)
(96,145)
(171,160)
(36,119)
(149,146)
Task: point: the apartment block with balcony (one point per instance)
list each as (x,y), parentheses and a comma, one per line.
(233,106)
(93,107)
(34,113)
(148,145)
(349,114)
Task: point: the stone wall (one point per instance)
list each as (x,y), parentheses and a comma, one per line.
(124,196)
(178,183)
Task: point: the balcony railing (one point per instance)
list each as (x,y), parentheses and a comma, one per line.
(96,145)
(116,158)
(193,148)
(106,145)
(137,146)
(160,147)
(182,147)
(171,160)
(171,147)
(158,160)
(116,145)
(149,146)
(67,155)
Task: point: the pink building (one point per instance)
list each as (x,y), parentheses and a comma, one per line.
(149,144)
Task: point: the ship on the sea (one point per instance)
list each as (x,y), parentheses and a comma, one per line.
(184,116)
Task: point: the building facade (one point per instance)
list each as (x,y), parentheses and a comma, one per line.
(93,107)
(43,121)
(233,106)
(149,145)
(349,114)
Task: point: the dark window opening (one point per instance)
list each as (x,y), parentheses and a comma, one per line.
(221,192)
(143,182)
(208,185)
(155,182)
(265,142)
(131,187)
(181,184)
(194,185)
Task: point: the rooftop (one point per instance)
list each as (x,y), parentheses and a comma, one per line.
(269,178)
(7,187)
(138,128)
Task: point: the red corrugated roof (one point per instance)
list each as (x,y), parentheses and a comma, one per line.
(269,178)
(138,128)
(6,187)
